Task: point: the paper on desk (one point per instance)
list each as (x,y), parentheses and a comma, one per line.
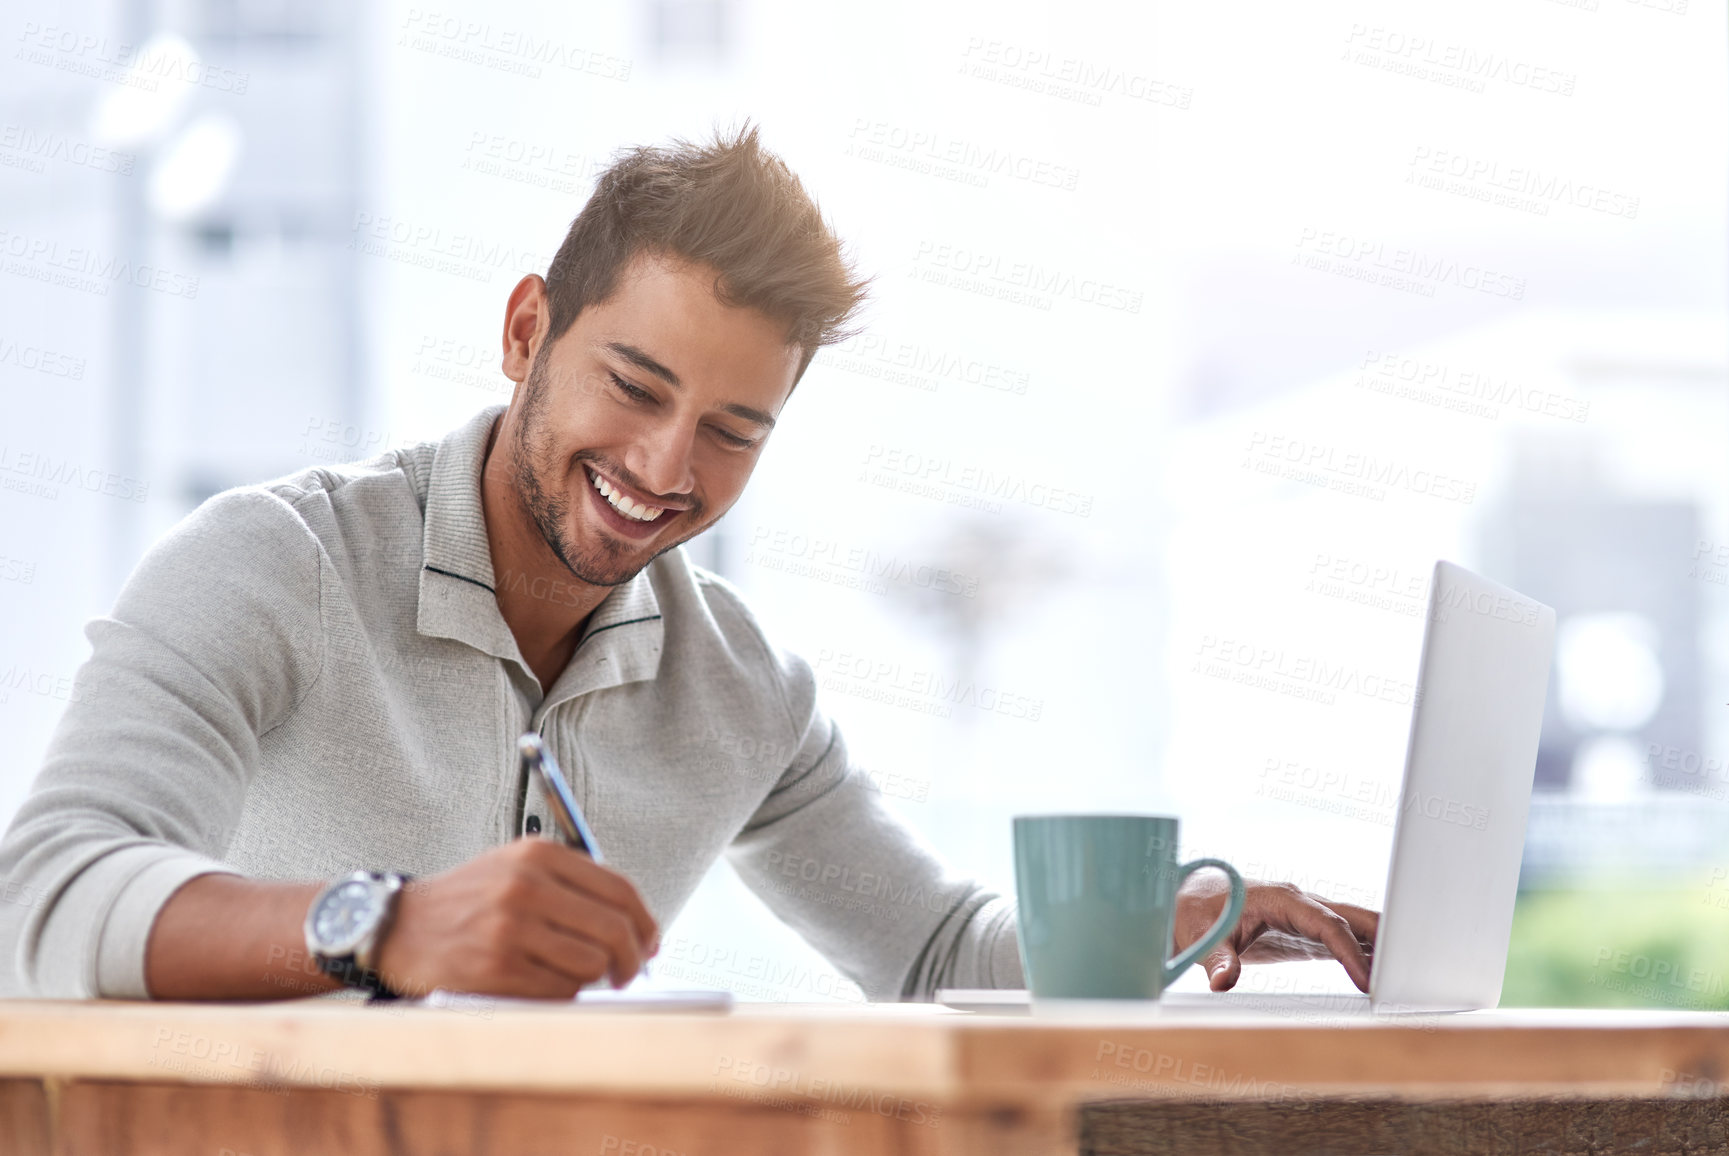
(640,995)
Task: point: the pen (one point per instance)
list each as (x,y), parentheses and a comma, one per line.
(532,750)
(535,756)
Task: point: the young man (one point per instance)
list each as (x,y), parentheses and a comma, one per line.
(326,674)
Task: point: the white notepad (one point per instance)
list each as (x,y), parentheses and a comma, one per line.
(598,999)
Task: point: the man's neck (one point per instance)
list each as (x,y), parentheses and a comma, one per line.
(542,602)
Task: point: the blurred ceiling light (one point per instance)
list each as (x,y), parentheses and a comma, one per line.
(146,101)
(695,27)
(1609,674)
(196,167)
(1608,770)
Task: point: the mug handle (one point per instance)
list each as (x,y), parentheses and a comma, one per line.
(1220,928)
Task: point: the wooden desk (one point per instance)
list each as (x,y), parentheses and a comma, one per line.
(315,1077)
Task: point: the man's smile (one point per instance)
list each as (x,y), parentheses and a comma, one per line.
(626,510)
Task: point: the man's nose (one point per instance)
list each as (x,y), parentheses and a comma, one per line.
(662,458)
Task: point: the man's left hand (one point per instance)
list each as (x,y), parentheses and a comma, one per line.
(1280,922)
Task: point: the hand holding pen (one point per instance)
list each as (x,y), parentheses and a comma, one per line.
(534,919)
(535,757)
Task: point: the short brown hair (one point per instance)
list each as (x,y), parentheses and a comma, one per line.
(730,205)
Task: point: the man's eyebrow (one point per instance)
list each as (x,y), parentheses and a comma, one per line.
(649,365)
(644,362)
(749,414)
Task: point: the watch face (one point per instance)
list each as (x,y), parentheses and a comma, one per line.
(345,916)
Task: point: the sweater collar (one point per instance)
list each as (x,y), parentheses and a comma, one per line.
(622,639)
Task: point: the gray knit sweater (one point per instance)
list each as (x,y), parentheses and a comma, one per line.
(312,675)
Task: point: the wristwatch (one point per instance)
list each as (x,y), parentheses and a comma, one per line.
(346,924)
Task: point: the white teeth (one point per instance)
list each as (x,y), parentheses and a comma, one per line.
(635,511)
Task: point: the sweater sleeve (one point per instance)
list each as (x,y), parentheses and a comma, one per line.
(214,640)
(838,866)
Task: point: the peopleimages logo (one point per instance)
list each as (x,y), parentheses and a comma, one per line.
(86,270)
(1065,77)
(48,471)
(31,149)
(39,360)
(849,879)
(1372,259)
(924,691)
(1464,389)
(1449,64)
(1375,586)
(1297,675)
(504,49)
(989,270)
(919,365)
(431,247)
(29,680)
(814,556)
(1507,607)
(934,475)
(1348,471)
(918,149)
(142,66)
(1434,168)
(800,1087)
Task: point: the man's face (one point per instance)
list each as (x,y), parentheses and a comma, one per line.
(641,424)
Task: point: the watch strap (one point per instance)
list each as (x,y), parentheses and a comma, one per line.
(346,969)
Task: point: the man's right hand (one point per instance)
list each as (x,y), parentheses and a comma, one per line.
(533,918)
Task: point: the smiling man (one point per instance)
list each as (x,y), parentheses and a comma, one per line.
(289,763)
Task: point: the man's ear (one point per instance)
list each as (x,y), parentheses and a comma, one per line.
(527,318)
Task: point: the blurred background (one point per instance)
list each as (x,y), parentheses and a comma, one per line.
(1198,334)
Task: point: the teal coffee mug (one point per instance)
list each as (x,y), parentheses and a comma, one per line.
(1098,905)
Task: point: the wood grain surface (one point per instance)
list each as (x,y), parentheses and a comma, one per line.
(921,1053)
(1564,1127)
(302,1079)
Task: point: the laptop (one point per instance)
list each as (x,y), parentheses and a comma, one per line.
(1460,830)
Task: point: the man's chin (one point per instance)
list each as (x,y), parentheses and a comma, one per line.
(603,567)
(605,558)
(610,573)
